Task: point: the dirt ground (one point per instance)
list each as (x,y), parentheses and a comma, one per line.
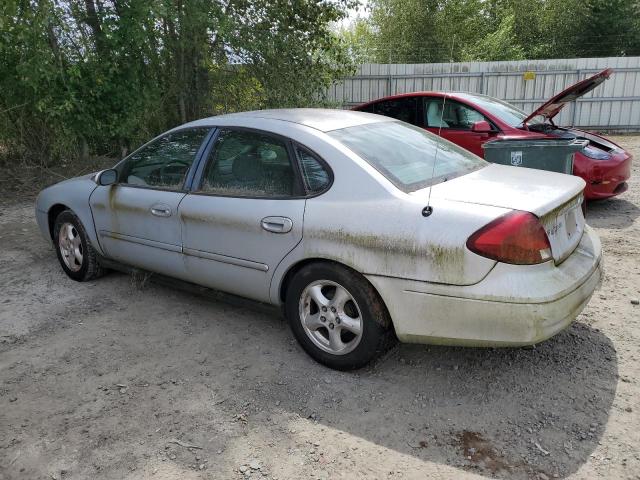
(117,378)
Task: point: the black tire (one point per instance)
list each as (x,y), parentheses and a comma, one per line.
(90,267)
(377,332)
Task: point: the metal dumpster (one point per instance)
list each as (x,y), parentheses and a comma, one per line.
(555,155)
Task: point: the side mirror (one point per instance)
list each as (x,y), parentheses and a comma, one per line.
(482,127)
(107,177)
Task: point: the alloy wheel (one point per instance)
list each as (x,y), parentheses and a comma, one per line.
(70,245)
(330,317)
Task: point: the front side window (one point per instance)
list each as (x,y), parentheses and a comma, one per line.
(504,111)
(249,164)
(406,155)
(165,162)
(404,109)
(441,113)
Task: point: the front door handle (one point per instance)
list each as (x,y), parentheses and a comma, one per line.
(277,224)
(161,210)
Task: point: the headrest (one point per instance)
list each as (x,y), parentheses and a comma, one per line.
(247,168)
(268,154)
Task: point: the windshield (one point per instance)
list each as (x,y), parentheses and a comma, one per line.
(405,154)
(506,112)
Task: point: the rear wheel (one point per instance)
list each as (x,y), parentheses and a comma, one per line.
(337,316)
(75,253)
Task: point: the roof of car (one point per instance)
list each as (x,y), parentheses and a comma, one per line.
(323,119)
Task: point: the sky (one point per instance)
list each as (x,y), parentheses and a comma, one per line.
(361,11)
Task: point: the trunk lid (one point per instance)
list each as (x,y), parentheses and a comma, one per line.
(555,198)
(552,107)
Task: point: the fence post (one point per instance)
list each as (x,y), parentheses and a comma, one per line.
(575,102)
(482,83)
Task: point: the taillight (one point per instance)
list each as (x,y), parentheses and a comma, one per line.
(517,237)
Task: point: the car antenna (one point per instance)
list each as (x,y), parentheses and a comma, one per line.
(428,210)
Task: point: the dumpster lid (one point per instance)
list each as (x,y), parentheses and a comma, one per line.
(552,107)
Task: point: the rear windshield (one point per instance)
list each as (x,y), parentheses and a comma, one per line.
(406,155)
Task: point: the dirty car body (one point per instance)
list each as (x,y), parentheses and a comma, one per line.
(254,203)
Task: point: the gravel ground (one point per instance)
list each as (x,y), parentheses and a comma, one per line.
(126,378)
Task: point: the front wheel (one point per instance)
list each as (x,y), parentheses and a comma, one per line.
(75,253)
(337,316)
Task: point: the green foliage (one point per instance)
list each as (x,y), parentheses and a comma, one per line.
(417,31)
(501,44)
(81,77)
(357,39)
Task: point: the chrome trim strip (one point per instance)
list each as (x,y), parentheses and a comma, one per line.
(225,259)
(142,241)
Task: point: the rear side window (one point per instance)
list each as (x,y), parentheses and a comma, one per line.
(249,164)
(366,108)
(404,109)
(406,155)
(315,175)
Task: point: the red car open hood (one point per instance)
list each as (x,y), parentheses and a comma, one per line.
(553,106)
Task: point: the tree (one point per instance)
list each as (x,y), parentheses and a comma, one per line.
(357,39)
(404,31)
(417,31)
(101,76)
(501,44)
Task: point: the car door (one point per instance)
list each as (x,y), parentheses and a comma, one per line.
(245,212)
(137,218)
(453,120)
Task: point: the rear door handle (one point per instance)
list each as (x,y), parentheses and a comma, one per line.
(277,224)
(161,210)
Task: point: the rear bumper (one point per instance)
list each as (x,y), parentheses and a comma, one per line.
(514,305)
(605,178)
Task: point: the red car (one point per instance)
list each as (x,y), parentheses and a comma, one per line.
(470,119)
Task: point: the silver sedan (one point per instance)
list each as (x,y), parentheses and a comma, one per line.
(365,229)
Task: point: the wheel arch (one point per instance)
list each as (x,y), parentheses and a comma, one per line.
(296,267)
(53,213)
(84,217)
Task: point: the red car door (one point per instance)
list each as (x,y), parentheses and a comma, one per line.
(454,120)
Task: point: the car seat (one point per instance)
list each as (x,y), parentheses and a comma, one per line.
(434,115)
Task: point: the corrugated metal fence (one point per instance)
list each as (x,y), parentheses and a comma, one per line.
(613,106)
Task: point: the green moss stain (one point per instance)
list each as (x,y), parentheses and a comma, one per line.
(220,222)
(446,258)
(115,226)
(446,261)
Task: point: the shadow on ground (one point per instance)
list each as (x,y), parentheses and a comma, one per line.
(616,213)
(501,412)
(221,372)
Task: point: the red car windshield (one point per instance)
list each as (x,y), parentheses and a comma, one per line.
(506,112)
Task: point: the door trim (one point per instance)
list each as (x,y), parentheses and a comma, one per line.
(240,262)
(142,241)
